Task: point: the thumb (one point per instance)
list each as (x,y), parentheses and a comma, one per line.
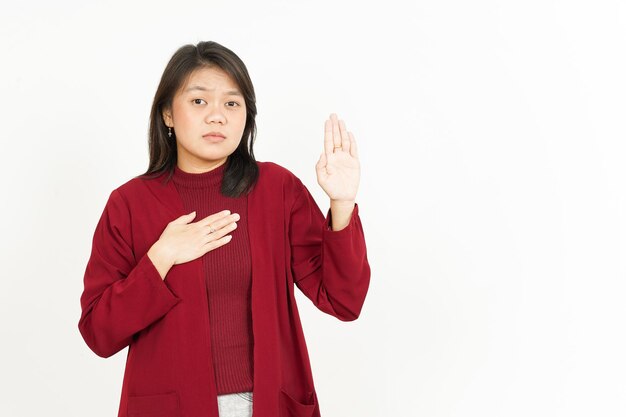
(185,218)
(321,163)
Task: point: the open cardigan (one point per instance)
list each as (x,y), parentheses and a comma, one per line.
(165,323)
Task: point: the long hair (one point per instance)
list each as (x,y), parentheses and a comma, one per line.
(241,170)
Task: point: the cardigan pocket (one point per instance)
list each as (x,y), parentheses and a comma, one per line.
(290,407)
(162,405)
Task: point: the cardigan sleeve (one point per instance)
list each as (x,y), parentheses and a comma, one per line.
(329,267)
(121,296)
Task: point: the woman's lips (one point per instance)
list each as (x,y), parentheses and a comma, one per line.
(214,138)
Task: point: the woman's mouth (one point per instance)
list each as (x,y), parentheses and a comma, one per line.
(214,137)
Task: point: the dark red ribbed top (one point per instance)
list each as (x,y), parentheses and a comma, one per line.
(228,274)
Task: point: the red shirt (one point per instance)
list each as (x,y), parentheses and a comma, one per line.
(165,323)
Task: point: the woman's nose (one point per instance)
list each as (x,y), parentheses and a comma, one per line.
(215,114)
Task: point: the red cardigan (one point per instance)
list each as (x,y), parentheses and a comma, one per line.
(165,323)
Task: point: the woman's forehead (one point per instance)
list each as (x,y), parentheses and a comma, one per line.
(209,79)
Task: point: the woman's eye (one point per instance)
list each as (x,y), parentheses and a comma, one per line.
(230,103)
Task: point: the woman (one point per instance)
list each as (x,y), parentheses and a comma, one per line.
(193,263)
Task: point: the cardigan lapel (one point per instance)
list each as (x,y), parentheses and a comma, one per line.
(167,195)
(265,227)
(171,202)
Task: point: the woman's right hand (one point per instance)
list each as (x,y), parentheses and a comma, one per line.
(182,241)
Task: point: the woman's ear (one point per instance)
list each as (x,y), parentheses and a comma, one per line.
(167,118)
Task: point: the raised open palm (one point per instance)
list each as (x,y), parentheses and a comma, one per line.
(338,169)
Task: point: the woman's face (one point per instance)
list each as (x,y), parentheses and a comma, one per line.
(210,101)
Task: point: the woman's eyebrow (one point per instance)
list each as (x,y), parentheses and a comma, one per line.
(201,88)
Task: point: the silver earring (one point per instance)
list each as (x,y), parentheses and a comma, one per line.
(169,132)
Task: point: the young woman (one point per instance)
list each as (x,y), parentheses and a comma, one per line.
(193,263)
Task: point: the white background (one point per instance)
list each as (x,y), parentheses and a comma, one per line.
(491,138)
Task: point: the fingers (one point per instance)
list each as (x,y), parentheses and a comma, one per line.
(345,139)
(328,137)
(221,223)
(337,137)
(213,244)
(220,236)
(216,217)
(353,148)
(336,132)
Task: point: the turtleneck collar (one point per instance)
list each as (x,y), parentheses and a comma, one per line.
(210,178)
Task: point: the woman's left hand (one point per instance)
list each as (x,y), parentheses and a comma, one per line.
(338,169)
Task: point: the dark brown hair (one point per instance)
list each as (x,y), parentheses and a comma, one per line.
(241,170)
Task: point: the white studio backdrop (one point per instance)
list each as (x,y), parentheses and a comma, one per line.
(492,143)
